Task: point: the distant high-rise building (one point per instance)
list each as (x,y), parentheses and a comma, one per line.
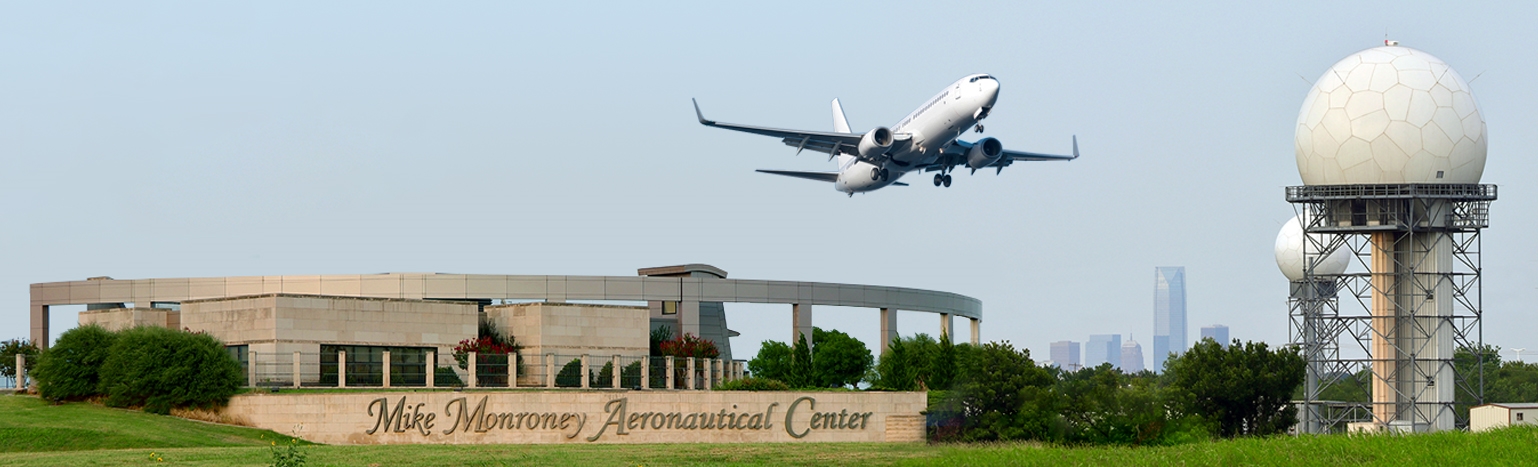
(1216,332)
(1065,354)
(1103,348)
(1169,313)
(1131,356)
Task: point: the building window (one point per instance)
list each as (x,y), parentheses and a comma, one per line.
(365,365)
(1519,416)
(669,308)
(240,354)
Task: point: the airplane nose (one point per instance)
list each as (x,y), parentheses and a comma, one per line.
(991,90)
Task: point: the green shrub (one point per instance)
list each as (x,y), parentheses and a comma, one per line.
(160,369)
(70,369)
(570,375)
(753,384)
(1002,395)
(446,377)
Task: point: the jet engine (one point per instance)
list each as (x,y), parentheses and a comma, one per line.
(984,152)
(876,142)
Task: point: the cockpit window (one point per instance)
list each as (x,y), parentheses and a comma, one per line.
(975,78)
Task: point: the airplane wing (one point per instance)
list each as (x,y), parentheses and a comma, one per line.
(955,155)
(826,142)
(829,177)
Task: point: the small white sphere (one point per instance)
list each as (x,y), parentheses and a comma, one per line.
(1390,115)
(1290,258)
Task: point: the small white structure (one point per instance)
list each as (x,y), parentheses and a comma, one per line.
(1493,416)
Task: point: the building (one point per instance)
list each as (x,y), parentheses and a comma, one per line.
(1217,332)
(1065,355)
(1492,416)
(1169,313)
(1103,348)
(305,330)
(1131,356)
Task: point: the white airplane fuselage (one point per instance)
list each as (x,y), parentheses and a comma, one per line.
(933,126)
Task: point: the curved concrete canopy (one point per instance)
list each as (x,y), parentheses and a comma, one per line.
(142,292)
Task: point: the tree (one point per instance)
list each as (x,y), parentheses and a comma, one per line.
(1102,405)
(70,370)
(916,362)
(8,352)
(1243,390)
(772,362)
(800,375)
(1002,395)
(838,360)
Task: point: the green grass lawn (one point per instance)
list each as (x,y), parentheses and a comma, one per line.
(35,433)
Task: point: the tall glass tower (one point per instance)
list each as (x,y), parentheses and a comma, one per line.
(1169,314)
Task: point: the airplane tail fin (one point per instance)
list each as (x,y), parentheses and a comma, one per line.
(841,125)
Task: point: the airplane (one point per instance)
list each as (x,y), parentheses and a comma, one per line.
(925,140)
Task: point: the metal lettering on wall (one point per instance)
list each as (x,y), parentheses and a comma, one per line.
(618,420)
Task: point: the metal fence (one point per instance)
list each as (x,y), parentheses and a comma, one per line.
(367,369)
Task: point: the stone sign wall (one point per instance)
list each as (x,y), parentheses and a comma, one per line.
(549,417)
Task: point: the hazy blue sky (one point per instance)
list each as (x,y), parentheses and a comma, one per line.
(142,140)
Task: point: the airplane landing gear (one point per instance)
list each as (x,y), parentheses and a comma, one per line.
(943,180)
(939,179)
(979,128)
(947,181)
(880,174)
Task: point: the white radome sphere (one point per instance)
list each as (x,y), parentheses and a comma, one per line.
(1390,115)
(1289,253)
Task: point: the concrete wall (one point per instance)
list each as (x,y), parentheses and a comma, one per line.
(574,416)
(332,320)
(118,319)
(570,329)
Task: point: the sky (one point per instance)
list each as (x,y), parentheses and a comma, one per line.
(160,139)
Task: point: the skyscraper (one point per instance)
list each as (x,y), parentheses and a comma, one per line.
(1131,356)
(1216,332)
(1169,313)
(1065,354)
(1103,348)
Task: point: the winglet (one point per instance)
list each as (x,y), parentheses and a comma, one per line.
(1075,143)
(699,114)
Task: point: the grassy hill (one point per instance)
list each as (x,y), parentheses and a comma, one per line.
(35,433)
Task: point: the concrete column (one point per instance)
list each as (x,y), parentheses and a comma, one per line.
(432,367)
(617,372)
(689,318)
(40,326)
(689,374)
(715,372)
(549,370)
(471,364)
(646,372)
(976,331)
(512,370)
(801,324)
(669,374)
(584,371)
(947,325)
(386,368)
(250,368)
(341,368)
(1385,327)
(21,372)
(296,368)
(888,328)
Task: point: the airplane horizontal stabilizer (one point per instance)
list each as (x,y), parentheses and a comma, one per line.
(829,177)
